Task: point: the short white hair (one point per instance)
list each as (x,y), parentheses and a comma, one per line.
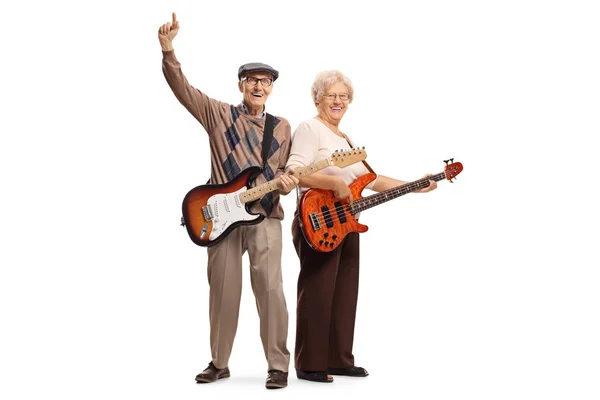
(325,79)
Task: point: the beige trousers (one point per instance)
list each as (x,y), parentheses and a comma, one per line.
(263,243)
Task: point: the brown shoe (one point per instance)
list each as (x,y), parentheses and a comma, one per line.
(276,379)
(212,374)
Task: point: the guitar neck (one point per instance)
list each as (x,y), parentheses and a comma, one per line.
(390,194)
(259,191)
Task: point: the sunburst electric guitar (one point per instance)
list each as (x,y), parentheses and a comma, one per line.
(325,221)
(211,212)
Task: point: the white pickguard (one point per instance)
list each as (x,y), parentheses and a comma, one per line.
(227,210)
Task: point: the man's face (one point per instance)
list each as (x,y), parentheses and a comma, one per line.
(255,92)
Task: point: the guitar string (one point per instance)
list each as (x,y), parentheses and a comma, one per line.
(348,207)
(307,170)
(412,186)
(440,175)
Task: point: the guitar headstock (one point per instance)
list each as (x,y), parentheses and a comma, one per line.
(452,169)
(343,158)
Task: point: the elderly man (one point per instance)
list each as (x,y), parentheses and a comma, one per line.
(236,138)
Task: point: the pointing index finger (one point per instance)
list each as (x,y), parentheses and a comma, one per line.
(174,19)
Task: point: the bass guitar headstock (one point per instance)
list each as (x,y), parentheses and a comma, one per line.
(452,169)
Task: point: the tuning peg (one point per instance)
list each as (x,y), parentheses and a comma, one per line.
(449,161)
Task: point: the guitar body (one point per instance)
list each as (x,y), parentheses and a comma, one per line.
(325,221)
(211,212)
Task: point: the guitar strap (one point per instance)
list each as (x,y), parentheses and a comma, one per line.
(363,161)
(267,139)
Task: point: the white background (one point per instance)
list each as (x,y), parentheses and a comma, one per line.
(487,288)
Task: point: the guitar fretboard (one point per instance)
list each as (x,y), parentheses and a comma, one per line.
(390,194)
(259,191)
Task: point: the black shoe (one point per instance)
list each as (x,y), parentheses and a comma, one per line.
(314,376)
(212,374)
(276,379)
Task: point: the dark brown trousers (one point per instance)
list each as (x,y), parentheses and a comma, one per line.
(326,309)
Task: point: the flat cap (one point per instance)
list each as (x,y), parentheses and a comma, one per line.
(258,67)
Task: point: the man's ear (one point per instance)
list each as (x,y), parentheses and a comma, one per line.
(240,87)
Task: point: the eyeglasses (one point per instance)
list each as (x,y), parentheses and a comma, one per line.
(252,80)
(332,96)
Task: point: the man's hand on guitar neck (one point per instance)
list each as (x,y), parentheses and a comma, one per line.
(287,183)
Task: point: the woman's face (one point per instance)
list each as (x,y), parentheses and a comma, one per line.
(330,106)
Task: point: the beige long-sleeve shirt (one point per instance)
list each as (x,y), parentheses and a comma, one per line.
(313,141)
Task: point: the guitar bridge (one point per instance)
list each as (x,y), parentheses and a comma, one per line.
(208,214)
(314,221)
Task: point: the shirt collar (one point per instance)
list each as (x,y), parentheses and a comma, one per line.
(245,110)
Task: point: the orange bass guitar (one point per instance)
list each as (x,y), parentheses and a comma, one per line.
(325,221)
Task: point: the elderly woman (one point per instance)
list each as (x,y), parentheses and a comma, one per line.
(328,281)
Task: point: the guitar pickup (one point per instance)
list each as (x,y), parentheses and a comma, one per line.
(327,216)
(208,214)
(314,221)
(339,208)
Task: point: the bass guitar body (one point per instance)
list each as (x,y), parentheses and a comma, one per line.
(325,221)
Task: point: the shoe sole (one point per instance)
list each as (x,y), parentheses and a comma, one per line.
(339,373)
(205,381)
(275,386)
(307,377)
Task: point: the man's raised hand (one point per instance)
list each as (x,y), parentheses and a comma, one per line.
(167,32)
